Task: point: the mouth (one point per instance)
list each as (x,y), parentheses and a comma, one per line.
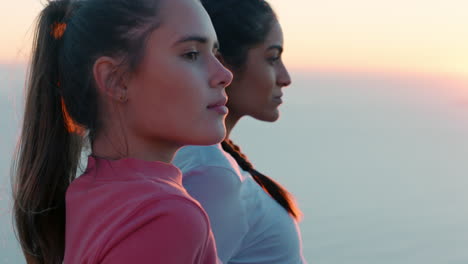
(221,102)
(219,106)
(278,99)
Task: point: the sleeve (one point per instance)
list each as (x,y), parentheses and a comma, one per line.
(178,233)
(218,191)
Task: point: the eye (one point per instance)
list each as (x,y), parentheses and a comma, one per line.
(273,60)
(192,55)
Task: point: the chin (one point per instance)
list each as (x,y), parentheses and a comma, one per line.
(209,137)
(270,116)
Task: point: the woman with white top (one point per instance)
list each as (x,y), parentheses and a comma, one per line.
(254,218)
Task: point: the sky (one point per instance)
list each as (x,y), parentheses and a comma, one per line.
(354,126)
(429,36)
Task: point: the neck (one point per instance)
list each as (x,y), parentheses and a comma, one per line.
(115,140)
(231,121)
(114,146)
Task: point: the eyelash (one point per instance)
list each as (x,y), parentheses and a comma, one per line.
(273,60)
(192,55)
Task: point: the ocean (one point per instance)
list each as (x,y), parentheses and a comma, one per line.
(376,161)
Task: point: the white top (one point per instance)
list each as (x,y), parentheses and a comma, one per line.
(249,226)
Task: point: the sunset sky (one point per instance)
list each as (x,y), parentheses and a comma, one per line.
(378,163)
(360,35)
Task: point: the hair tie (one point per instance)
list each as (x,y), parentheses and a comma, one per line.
(70,124)
(58,29)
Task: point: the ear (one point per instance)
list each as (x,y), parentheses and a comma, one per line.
(108,79)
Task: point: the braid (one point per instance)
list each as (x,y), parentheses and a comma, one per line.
(270,186)
(236,153)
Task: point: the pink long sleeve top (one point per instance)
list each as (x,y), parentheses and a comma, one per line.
(134,211)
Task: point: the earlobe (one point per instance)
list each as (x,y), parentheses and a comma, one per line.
(109,82)
(123,97)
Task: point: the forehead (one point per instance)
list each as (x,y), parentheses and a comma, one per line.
(275,36)
(184,17)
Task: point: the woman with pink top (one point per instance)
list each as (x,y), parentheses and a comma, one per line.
(137,80)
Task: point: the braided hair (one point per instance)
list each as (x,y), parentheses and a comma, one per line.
(270,186)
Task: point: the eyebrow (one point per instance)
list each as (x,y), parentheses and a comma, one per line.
(195,38)
(278,47)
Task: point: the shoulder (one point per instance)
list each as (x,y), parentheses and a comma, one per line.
(134,190)
(122,198)
(193,156)
(190,158)
(175,211)
(174,217)
(170,229)
(169,215)
(181,206)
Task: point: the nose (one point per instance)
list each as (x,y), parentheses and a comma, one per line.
(283,79)
(221,76)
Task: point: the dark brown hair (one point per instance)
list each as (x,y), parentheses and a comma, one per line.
(61,108)
(273,188)
(240,25)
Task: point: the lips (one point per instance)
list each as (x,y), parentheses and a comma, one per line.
(218,103)
(219,106)
(277,99)
(278,96)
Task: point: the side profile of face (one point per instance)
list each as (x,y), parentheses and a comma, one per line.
(177,95)
(256,90)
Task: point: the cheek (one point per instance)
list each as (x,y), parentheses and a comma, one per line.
(174,84)
(263,82)
(252,91)
(181,95)
(162,93)
(172,105)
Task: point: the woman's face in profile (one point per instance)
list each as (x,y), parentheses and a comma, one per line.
(257,90)
(172,94)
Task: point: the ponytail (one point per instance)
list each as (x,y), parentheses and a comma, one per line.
(61,102)
(273,188)
(48,150)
